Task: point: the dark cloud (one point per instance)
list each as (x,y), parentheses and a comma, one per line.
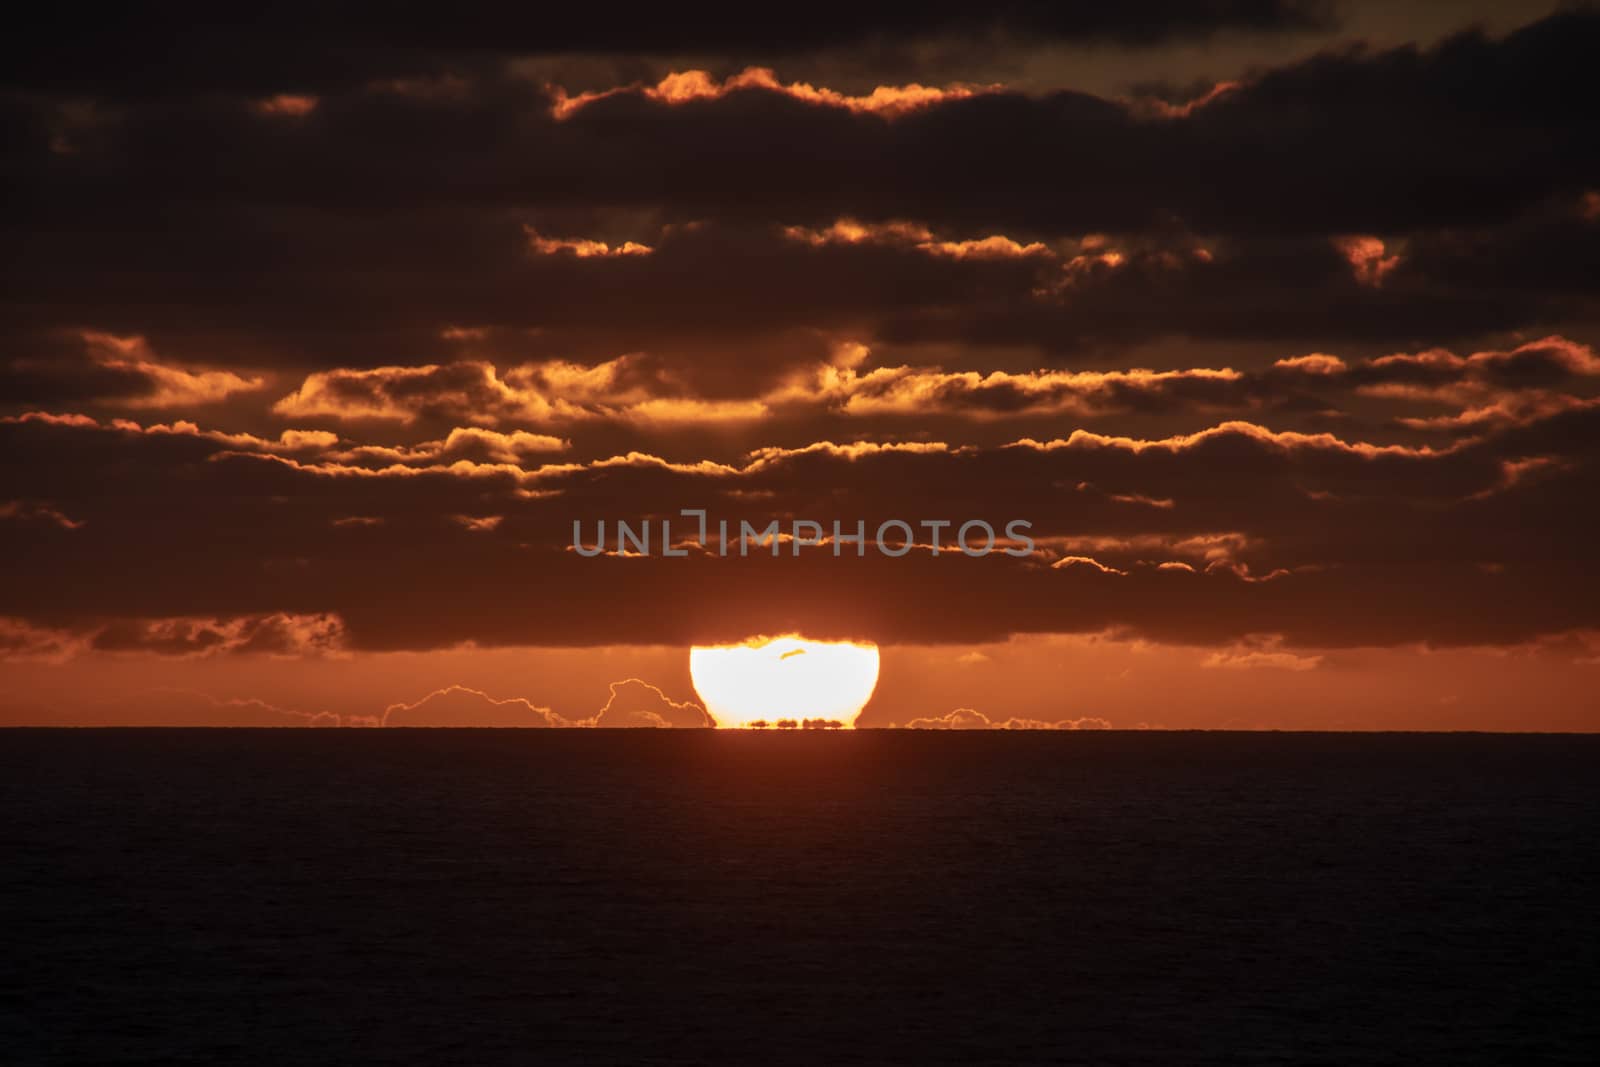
(368,228)
(187,47)
(277,634)
(729,308)
(1216,536)
(402,312)
(620,403)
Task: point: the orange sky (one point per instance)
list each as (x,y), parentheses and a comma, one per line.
(1128,684)
(1279,332)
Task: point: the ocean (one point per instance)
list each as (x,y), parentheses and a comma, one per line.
(639,897)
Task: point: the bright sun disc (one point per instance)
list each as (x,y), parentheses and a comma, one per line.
(788,677)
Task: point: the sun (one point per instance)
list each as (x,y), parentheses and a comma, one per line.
(768,679)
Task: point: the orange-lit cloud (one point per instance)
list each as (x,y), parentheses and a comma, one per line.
(166,386)
(288,442)
(637,390)
(1085,561)
(470,443)
(682,87)
(24,640)
(479,523)
(1369,258)
(686,410)
(1282,441)
(1005,395)
(1260,653)
(581,247)
(475,391)
(402,393)
(1316,363)
(287,105)
(1528,377)
(37,511)
(1154,107)
(914,235)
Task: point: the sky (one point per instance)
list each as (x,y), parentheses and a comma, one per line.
(1273,321)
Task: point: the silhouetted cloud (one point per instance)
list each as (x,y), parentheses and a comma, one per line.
(968,719)
(460,706)
(635,703)
(190,708)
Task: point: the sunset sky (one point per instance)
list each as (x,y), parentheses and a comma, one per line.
(1277,320)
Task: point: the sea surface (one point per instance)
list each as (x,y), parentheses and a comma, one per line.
(492,897)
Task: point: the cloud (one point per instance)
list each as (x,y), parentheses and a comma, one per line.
(289,442)
(999,395)
(1085,561)
(1097,164)
(912,235)
(1217,534)
(479,523)
(23,640)
(635,703)
(681,87)
(583,248)
(1368,259)
(165,386)
(119,371)
(1229,407)
(468,389)
(1260,652)
(968,719)
(630,703)
(275,634)
(627,389)
(353,50)
(459,706)
(968,244)
(36,511)
(636,391)
(287,105)
(959,719)
(470,444)
(188,708)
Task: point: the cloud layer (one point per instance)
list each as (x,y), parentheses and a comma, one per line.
(320,357)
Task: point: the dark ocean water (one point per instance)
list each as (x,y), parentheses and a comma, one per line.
(486,897)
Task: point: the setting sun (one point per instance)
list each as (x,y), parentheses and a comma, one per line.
(780,678)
